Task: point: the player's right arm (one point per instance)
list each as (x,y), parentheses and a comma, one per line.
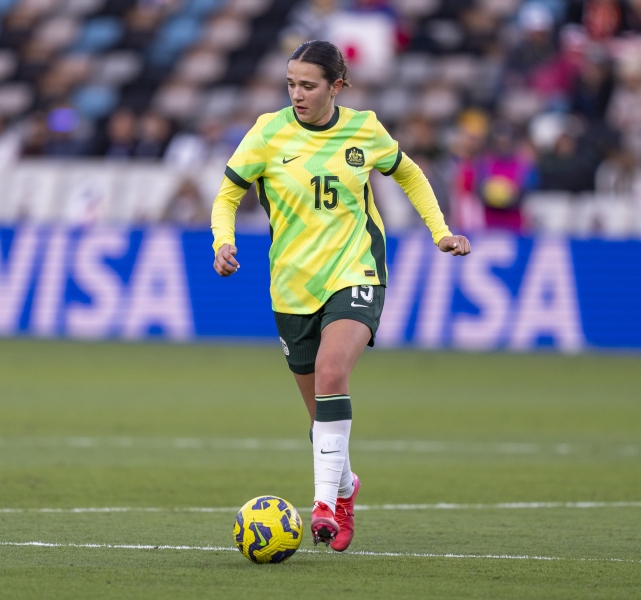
(243,168)
(225,264)
(223,219)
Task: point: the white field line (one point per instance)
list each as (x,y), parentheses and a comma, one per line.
(421,446)
(358,507)
(361,553)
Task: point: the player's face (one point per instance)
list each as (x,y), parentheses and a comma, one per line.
(311,94)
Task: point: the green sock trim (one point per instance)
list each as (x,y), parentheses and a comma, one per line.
(331,397)
(333,408)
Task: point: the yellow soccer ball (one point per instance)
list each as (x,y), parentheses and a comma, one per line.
(268,529)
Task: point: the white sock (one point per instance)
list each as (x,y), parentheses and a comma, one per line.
(346,486)
(331,440)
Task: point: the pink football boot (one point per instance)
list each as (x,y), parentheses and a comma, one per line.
(345,519)
(324,526)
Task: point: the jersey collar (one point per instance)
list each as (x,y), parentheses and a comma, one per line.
(325,127)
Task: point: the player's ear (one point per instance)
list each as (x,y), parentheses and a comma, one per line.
(337,86)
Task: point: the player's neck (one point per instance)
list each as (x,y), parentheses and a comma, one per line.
(329,113)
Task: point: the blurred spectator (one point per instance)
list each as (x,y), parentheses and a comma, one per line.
(17,26)
(141,23)
(205,146)
(309,21)
(10,144)
(569,165)
(67,134)
(632,16)
(121,134)
(52,89)
(502,176)
(593,87)
(602,19)
(36,135)
(619,174)
(466,145)
(187,206)
(35,61)
(420,139)
(536,46)
(419,136)
(154,135)
(439,31)
(482,28)
(554,79)
(623,109)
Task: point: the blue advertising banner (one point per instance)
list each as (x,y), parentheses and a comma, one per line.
(510,293)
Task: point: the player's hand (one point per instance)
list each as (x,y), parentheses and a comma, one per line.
(225,263)
(456,245)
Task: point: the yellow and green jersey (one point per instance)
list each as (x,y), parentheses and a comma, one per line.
(313,181)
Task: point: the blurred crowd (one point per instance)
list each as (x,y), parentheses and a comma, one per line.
(495,99)
(498,99)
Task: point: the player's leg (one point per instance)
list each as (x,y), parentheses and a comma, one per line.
(300,336)
(350,321)
(307,386)
(331,375)
(342,342)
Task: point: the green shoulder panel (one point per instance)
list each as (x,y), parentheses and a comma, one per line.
(274,122)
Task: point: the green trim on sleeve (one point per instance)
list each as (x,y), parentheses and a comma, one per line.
(236,178)
(397,162)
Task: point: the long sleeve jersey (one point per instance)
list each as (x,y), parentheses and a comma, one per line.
(313,181)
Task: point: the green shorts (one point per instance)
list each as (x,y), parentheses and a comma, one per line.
(300,335)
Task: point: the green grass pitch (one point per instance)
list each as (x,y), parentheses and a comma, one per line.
(161,429)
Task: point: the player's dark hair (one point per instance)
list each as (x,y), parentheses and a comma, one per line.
(327,56)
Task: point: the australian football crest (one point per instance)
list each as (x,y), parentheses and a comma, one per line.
(354,157)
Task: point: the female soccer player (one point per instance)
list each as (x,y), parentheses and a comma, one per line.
(311,164)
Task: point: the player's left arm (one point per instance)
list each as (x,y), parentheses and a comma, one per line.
(389,160)
(456,245)
(418,189)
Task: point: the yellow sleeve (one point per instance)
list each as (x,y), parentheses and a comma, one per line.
(387,155)
(223,213)
(418,189)
(248,162)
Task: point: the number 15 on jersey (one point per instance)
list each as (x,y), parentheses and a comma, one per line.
(328,189)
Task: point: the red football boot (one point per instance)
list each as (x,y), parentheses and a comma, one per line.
(345,519)
(324,526)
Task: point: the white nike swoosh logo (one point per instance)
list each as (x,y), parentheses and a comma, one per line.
(360,305)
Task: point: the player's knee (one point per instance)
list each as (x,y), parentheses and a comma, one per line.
(331,377)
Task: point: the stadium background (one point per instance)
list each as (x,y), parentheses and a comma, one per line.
(117,118)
